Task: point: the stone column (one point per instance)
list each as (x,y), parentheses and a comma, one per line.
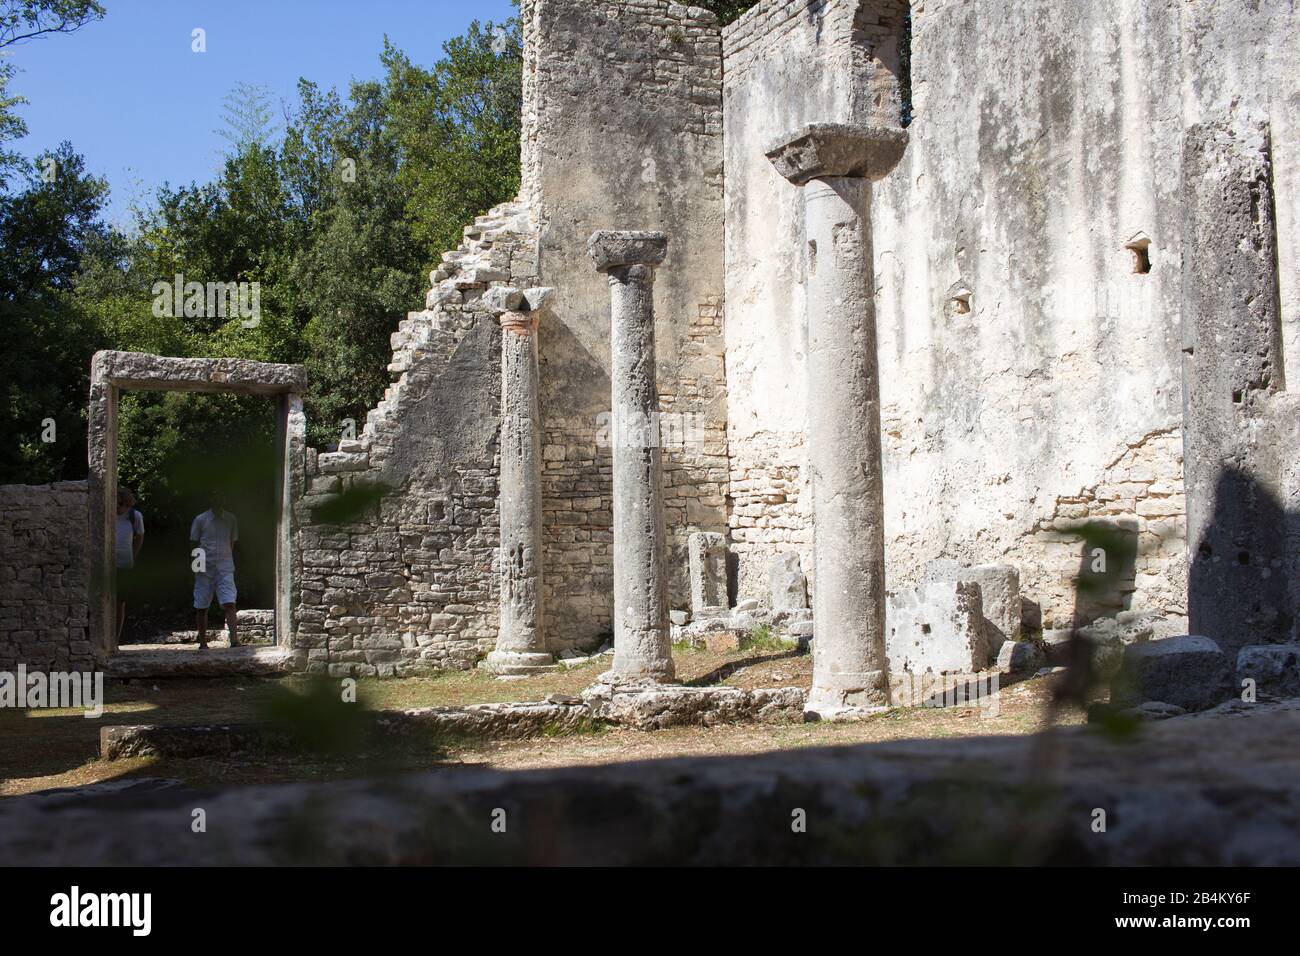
(101,490)
(521,638)
(836,165)
(642,648)
(1234,455)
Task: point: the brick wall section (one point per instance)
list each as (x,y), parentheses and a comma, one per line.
(1141,492)
(577,519)
(43,607)
(771,506)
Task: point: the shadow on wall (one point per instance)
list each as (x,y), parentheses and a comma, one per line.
(1107,570)
(1239,585)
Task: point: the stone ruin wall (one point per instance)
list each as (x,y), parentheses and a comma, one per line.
(1056,399)
(786,63)
(1046,137)
(44,613)
(408,582)
(623,130)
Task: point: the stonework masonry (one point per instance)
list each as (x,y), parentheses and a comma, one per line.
(1052,393)
(1032,254)
(44,613)
(399,530)
(623,130)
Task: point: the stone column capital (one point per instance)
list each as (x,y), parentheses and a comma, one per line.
(501,298)
(613,249)
(826,150)
(515,309)
(520,323)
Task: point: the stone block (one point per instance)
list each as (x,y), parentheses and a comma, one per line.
(999,596)
(786,582)
(836,149)
(707,556)
(501,298)
(537,297)
(657,706)
(1125,628)
(610,249)
(722,642)
(1189,671)
(1275,668)
(1019,657)
(936,626)
(336,462)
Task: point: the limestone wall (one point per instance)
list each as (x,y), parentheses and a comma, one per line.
(1047,136)
(43,607)
(786,63)
(398,528)
(623,130)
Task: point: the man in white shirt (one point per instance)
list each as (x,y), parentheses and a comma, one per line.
(129,539)
(215,531)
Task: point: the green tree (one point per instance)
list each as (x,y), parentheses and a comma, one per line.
(22,20)
(727,10)
(337,220)
(46,339)
(359,271)
(458,127)
(248,116)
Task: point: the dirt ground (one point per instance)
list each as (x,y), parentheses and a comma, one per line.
(47,749)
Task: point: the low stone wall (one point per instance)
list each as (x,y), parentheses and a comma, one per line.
(257,626)
(652,708)
(1203,790)
(43,606)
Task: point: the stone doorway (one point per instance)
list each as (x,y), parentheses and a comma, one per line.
(113,373)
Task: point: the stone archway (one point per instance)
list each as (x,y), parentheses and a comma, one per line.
(111,373)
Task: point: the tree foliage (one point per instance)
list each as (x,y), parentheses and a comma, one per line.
(457,127)
(47,231)
(337,213)
(726,10)
(22,20)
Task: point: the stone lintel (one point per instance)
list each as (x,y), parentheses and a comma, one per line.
(610,249)
(140,371)
(822,150)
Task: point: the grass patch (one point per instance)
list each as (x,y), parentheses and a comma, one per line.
(762,638)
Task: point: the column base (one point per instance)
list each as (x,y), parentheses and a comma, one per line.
(521,663)
(663,675)
(623,682)
(852,697)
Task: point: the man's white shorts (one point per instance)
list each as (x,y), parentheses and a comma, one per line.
(218,581)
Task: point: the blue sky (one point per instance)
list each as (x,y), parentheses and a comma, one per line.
(133,98)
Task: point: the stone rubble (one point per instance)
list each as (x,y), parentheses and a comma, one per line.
(1275,668)
(1189,671)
